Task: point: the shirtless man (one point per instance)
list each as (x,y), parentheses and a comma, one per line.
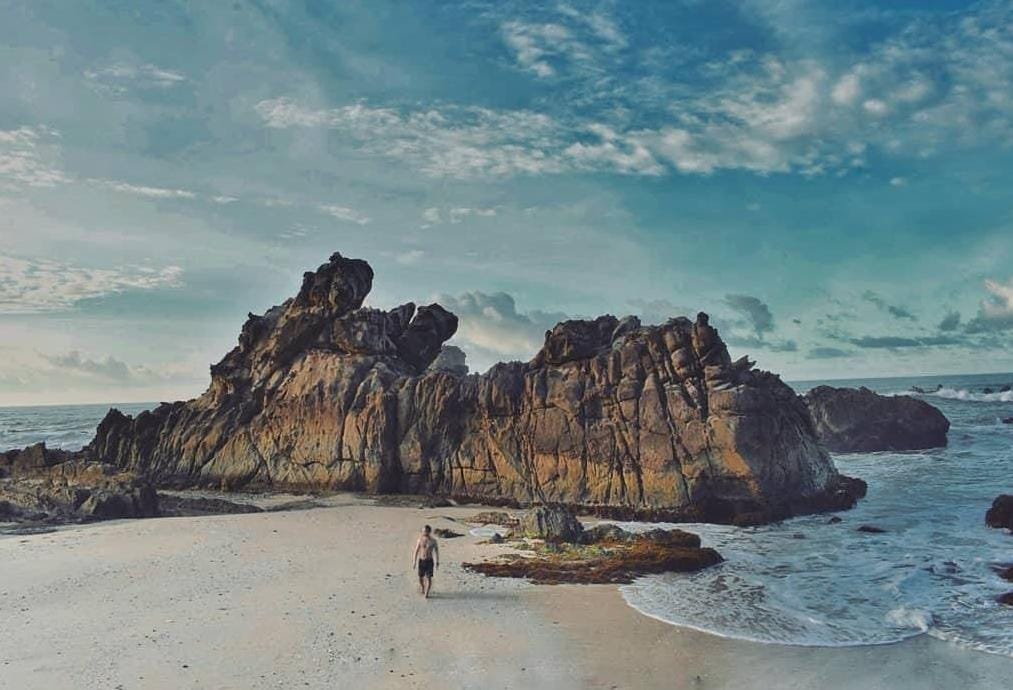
(426,558)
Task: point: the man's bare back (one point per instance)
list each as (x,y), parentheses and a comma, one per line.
(426,558)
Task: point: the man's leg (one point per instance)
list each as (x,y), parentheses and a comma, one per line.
(428,586)
(422,584)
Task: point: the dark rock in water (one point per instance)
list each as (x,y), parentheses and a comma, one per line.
(871,529)
(551,523)
(834,520)
(444,533)
(1007,420)
(1001,513)
(1005,571)
(1006,599)
(1006,388)
(850,420)
(651,421)
(496,538)
(987,391)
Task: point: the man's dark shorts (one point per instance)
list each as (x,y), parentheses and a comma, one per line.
(425,567)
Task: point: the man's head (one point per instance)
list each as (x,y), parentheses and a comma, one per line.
(426,530)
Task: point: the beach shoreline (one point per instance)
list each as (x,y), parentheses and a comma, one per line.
(325,598)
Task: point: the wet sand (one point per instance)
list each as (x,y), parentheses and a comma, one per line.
(325,598)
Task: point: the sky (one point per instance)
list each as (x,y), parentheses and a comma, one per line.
(831,181)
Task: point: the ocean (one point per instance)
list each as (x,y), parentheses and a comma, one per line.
(805,581)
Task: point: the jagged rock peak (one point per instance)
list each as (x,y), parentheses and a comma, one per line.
(339,285)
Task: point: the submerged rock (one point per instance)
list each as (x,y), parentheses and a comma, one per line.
(858,420)
(1001,513)
(871,529)
(609,415)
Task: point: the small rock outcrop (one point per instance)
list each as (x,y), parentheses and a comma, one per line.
(1000,515)
(604,554)
(551,523)
(321,392)
(858,420)
(54,486)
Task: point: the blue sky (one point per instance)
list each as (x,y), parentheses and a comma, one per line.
(831,181)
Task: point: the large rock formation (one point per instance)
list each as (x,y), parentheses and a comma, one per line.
(857,420)
(651,421)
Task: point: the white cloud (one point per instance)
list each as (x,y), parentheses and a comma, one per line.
(581,42)
(996,311)
(460,142)
(28,157)
(31,286)
(120,78)
(622,153)
(146,191)
(941,81)
(847,90)
(534,43)
(344,213)
(455,215)
(431,216)
(412,256)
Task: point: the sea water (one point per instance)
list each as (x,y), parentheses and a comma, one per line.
(60,426)
(806,581)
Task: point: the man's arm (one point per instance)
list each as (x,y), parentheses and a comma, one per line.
(415,553)
(436,554)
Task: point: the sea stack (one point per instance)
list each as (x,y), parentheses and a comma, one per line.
(609,415)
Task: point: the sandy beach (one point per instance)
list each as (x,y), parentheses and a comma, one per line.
(325,598)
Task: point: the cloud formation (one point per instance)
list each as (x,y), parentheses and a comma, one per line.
(895,342)
(755,311)
(107,369)
(29,157)
(894,310)
(996,311)
(33,286)
(827,353)
(119,78)
(491,329)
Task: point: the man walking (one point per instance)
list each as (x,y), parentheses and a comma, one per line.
(426,558)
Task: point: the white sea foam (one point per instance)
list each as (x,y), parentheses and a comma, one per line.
(808,582)
(973,396)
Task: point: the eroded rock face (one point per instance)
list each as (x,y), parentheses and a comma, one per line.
(857,420)
(630,420)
